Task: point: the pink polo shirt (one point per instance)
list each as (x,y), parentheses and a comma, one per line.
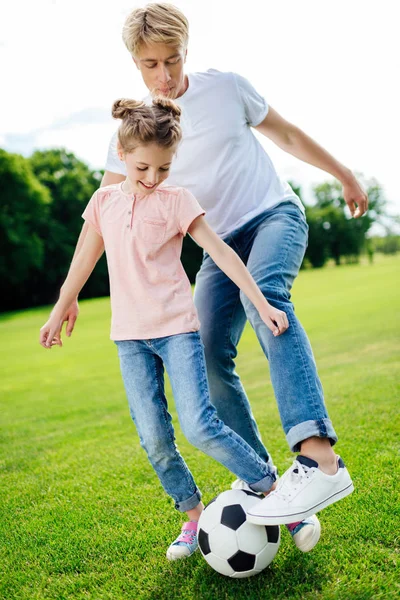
(151,295)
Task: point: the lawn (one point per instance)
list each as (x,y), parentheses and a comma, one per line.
(84,517)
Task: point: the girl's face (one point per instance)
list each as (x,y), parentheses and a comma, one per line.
(147,166)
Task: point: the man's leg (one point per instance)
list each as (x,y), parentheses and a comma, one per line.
(274,260)
(317,478)
(222,321)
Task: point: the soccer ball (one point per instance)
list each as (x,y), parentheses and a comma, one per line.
(230,544)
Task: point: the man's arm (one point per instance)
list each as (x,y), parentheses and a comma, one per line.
(294,141)
(72,312)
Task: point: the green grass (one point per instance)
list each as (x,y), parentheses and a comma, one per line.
(83,515)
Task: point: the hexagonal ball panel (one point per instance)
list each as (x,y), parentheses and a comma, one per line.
(266,556)
(210,517)
(220,565)
(251,538)
(223,542)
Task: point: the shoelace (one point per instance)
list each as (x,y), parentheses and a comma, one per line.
(187,536)
(292,480)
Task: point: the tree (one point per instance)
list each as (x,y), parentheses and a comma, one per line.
(339,234)
(71,183)
(24,213)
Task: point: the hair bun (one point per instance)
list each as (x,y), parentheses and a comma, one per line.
(124,107)
(168,105)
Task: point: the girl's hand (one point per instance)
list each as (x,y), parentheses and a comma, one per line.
(275,319)
(70,317)
(50,333)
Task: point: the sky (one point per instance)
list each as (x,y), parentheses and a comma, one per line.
(330,67)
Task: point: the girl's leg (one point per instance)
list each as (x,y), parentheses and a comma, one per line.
(143,375)
(183,356)
(184,359)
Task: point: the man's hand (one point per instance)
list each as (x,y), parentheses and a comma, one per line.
(70,317)
(355,197)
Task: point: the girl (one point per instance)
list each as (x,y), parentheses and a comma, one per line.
(141,223)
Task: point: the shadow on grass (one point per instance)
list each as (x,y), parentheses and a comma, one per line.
(290,577)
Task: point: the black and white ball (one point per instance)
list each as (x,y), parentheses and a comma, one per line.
(230,544)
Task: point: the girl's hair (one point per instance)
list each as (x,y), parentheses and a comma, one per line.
(155,23)
(142,124)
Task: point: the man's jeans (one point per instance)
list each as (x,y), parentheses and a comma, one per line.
(142,366)
(272,246)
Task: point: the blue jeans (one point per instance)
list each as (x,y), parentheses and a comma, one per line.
(272,246)
(142,366)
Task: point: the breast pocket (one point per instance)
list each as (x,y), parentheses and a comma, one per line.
(152,230)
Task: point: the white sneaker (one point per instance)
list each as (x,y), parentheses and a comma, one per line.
(305,534)
(301,491)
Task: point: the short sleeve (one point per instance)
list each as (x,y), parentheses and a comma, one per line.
(91,214)
(187,210)
(255,106)
(113,163)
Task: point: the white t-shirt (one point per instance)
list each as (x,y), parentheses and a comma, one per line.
(219,159)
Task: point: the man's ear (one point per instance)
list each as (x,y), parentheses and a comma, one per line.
(136,62)
(184,59)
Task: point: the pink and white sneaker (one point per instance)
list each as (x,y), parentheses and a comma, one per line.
(185,544)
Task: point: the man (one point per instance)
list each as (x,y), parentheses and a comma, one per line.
(221,162)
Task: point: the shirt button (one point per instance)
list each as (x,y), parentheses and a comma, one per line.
(128,226)
(129,212)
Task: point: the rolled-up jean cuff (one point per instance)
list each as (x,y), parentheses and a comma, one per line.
(189,503)
(265,484)
(322,428)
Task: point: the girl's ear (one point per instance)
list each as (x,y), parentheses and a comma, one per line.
(120,152)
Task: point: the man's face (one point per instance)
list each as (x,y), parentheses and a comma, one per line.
(161,67)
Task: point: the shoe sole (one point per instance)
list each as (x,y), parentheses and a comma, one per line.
(171,556)
(299,516)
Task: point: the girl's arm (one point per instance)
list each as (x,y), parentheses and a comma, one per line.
(71,314)
(79,272)
(230,263)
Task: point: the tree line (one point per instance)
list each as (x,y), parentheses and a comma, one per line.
(42,200)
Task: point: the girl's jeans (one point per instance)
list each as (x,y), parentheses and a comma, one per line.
(142,365)
(272,246)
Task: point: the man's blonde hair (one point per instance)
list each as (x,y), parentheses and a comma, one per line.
(155,23)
